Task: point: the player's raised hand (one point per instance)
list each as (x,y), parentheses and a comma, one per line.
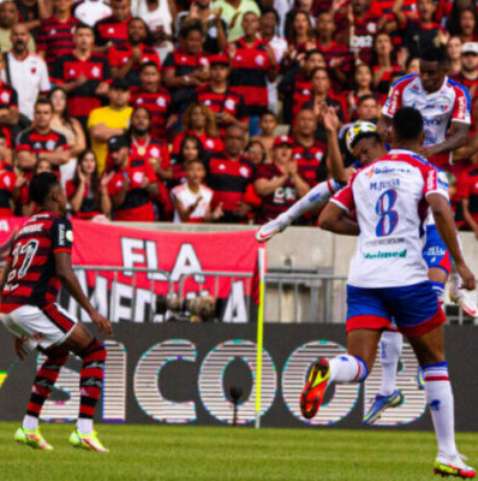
(103,324)
(467,277)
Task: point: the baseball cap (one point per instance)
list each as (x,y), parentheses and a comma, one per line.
(118,142)
(283,140)
(219,59)
(470,47)
(120,84)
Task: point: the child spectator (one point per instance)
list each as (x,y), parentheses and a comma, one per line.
(190,149)
(193,200)
(268,125)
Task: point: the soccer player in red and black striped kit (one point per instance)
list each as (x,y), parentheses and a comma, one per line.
(38,265)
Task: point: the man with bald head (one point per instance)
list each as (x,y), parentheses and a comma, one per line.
(8,18)
(25,71)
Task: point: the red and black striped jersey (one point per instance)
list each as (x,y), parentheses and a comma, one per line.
(184,63)
(158,104)
(89,205)
(311,161)
(83,99)
(110,29)
(278,201)
(229,180)
(33,141)
(8,96)
(7,186)
(250,65)
(211,145)
(55,39)
(32,278)
(150,151)
(118,55)
(228,101)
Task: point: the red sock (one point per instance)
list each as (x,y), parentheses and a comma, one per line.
(91,378)
(44,382)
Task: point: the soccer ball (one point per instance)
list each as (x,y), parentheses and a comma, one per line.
(359,128)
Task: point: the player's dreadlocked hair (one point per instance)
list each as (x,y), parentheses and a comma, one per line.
(41,185)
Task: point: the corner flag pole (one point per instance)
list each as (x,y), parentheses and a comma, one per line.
(260,333)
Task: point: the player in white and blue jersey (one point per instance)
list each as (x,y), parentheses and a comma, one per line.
(388,278)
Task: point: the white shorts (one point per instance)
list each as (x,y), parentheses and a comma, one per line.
(45,327)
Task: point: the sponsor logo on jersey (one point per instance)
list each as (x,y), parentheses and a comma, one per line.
(385,254)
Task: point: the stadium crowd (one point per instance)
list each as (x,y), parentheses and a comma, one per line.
(209,111)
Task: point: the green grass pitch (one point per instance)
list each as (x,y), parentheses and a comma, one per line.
(179,453)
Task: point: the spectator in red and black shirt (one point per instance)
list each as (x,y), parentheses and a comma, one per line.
(131,185)
(470,198)
(468,75)
(337,55)
(155,99)
(323,95)
(229,175)
(41,142)
(228,106)
(9,189)
(295,87)
(200,122)
(280,183)
(9,114)
(126,58)
(55,38)
(145,149)
(384,66)
(113,30)
(87,194)
(309,153)
(186,67)
(253,63)
(83,74)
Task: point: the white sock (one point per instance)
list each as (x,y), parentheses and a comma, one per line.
(390,349)
(346,368)
(315,197)
(440,401)
(30,422)
(84,425)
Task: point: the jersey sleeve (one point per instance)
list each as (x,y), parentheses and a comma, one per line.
(435,182)
(394,99)
(62,236)
(462,106)
(344,198)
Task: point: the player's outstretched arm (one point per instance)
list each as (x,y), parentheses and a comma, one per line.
(64,271)
(334,219)
(447,229)
(313,199)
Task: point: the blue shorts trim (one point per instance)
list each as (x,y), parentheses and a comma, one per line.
(414,309)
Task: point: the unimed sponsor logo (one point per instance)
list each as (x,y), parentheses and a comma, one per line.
(385,254)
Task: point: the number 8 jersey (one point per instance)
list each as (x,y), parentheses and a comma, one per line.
(32,278)
(389,200)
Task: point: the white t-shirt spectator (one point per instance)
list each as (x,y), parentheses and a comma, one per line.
(91,11)
(155,18)
(187,197)
(28,77)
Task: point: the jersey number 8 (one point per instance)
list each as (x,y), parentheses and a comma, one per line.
(388,218)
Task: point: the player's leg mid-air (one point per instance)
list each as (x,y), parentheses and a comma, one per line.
(39,263)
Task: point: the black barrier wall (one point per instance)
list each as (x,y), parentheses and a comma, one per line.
(183,373)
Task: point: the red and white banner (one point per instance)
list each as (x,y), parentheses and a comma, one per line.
(174,263)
